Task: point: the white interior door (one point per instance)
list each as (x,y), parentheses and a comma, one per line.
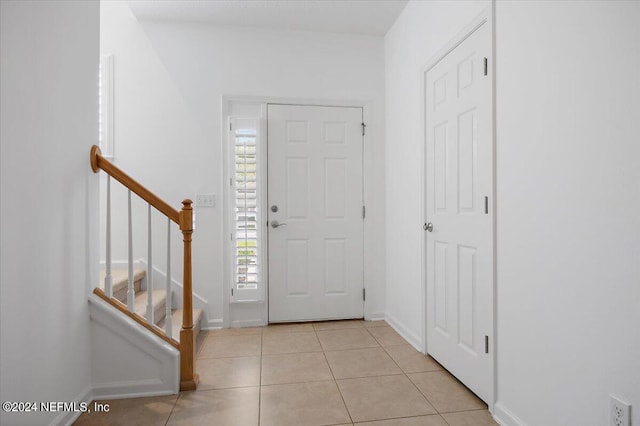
(315,212)
(459,173)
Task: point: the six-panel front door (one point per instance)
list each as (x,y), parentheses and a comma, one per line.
(315,192)
(459,175)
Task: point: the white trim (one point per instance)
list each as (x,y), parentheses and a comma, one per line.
(213,324)
(247,323)
(484,17)
(374,316)
(504,417)
(165,381)
(67,418)
(131,389)
(368,194)
(405,332)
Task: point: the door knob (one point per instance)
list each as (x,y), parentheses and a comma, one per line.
(428,227)
(276,224)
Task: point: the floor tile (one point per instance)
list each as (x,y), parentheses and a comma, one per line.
(149,411)
(361,363)
(286,343)
(238,407)
(222,373)
(410,360)
(295,368)
(335,340)
(445,392)
(288,328)
(338,325)
(470,418)
(377,323)
(315,403)
(387,336)
(433,420)
(231,346)
(385,397)
(235,331)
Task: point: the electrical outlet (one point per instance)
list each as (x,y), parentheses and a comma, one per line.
(619,412)
(205,200)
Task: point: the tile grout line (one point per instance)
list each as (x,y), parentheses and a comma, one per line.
(172,409)
(411,381)
(335,381)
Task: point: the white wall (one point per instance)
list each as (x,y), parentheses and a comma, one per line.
(568,105)
(568,199)
(170,79)
(418,33)
(49,59)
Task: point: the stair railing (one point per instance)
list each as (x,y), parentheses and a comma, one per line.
(184,219)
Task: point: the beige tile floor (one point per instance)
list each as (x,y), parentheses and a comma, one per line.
(327,373)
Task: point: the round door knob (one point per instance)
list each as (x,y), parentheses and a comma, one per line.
(428,227)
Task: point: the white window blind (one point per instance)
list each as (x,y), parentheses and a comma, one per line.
(246,212)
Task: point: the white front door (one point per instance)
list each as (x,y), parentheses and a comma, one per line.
(459,174)
(315,212)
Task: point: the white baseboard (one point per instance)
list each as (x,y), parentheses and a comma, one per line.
(131,389)
(212,324)
(67,418)
(247,323)
(402,330)
(375,316)
(504,417)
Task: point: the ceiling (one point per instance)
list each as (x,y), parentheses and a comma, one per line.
(364,17)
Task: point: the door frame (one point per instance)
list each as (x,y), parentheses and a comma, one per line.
(248,314)
(486,17)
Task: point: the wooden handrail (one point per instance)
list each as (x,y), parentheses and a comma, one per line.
(184,218)
(99,162)
(137,318)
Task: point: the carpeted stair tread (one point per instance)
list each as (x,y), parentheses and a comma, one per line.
(159,299)
(176,322)
(120,281)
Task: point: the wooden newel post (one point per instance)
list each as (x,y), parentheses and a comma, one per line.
(188,377)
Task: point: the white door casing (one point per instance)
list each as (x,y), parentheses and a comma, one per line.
(459,175)
(315,178)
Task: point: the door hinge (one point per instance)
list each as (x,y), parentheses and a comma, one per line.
(364,212)
(486,205)
(364,294)
(230,181)
(231,291)
(231,236)
(230,126)
(486,344)
(486,66)
(363,128)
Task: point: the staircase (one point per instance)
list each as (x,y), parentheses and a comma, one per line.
(119,287)
(149,306)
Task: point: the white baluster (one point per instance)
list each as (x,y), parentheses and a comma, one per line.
(108,278)
(130,290)
(149,274)
(167,323)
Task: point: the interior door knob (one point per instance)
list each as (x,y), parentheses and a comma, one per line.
(428,227)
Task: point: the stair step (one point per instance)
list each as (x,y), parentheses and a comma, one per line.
(159,303)
(176,322)
(120,282)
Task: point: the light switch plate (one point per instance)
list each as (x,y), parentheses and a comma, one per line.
(205,200)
